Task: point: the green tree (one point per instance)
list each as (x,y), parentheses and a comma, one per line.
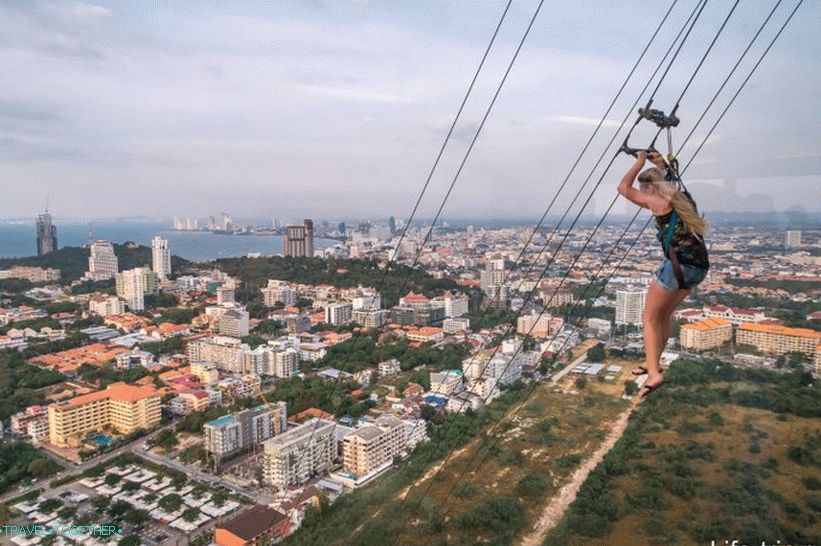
(191,514)
(171,502)
(129,486)
(167,440)
(596,353)
(135,517)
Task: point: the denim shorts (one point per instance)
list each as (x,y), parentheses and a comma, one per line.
(666,276)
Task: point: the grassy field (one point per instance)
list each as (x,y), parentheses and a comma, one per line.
(537,450)
(717,454)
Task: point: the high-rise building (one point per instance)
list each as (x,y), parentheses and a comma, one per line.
(46,234)
(102,262)
(134,284)
(234,322)
(630,305)
(225,295)
(160,257)
(224,352)
(792,239)
(299,240)
(492,280)
(392,225)
(373,446)
(456,304)
(230,434)
(295,456)
(338,313)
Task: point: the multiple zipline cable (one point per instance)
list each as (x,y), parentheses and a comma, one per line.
(694,17)
(595,229)
(697,12)
(434,167)
(578,193)
(489,450)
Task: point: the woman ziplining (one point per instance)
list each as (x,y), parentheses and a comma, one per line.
(680,230)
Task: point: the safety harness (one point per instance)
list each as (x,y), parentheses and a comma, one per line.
(665,123)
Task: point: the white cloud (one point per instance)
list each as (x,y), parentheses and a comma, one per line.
(361,95)
(578,120)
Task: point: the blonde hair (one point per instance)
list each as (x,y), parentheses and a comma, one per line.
(668,190)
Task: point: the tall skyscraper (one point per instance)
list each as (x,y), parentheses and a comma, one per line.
(46,234)
(160,257)
(392,225)
(102,262)
(299,240)
(793,239)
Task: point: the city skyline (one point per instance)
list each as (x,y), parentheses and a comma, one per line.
(288,107)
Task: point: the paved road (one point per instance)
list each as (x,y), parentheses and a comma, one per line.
(74,468)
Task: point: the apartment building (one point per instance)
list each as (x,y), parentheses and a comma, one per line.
(300,453)
(446,382)
(780,340)
(706,334)
(373,445)
(121,407)
(134,284)
(338,313)
(374,318)
(234,322)
(630,305)
(455,325)
(538,326)
(102,262)
(224,352)
(279,292)
(299,240)
(106,305)
(232,433)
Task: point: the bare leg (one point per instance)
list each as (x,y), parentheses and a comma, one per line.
(657,309)
(668,324)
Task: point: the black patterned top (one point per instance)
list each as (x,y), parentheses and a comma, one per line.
(690,248)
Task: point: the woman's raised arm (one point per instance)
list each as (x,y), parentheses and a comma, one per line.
(626,185)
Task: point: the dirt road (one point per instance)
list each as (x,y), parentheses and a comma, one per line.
(557,506)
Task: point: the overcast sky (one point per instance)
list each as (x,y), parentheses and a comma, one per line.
(337,108)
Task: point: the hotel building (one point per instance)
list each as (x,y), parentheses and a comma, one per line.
(121,407)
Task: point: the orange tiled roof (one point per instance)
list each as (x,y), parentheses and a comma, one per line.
(782,330)
(706,324)
(121,392)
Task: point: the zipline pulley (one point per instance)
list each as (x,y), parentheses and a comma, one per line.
(658,117)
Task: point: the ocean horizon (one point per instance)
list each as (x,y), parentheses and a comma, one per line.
(18,240)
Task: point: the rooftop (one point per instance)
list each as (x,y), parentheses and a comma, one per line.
(782,330)
(254,522)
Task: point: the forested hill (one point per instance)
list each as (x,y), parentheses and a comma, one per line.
(72,261)
(255,273)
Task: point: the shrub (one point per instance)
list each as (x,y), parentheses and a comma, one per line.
(533,485)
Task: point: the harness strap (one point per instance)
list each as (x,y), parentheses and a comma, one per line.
(673,257)
(670,251)
(671,227)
